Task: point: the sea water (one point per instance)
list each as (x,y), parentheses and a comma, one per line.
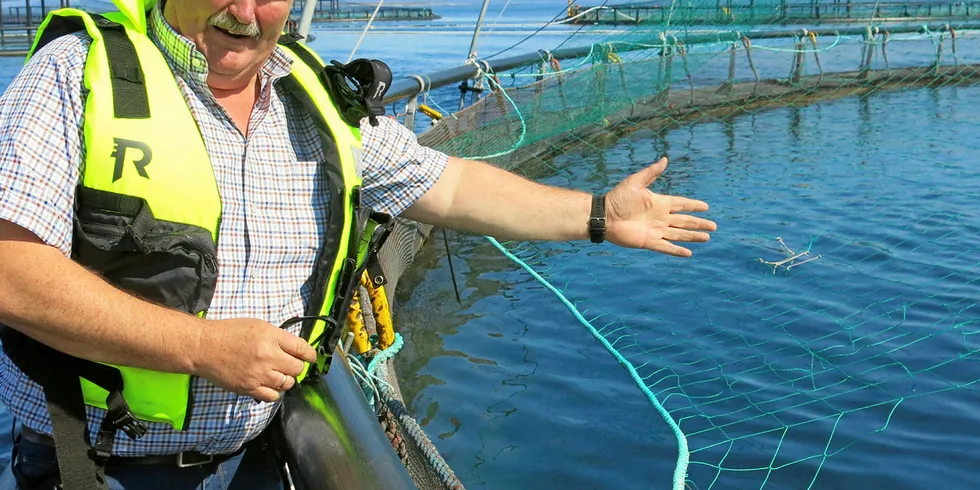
(517,394)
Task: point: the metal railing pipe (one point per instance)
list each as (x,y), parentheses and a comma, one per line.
(412,85)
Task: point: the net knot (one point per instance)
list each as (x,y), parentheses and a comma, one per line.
(482,67)
(546,55)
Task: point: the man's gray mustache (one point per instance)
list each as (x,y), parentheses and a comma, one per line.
(224,20)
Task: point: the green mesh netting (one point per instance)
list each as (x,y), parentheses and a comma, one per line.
(734,415)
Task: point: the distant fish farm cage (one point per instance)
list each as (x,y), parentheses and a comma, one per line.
(783,12)
(332,11)
(19,21)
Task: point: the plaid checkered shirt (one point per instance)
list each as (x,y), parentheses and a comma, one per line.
(274,209)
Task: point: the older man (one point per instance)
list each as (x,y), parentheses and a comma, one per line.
(173,253)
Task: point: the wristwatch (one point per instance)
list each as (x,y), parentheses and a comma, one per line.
(597,220)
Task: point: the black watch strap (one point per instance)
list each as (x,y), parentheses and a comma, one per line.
(597,220)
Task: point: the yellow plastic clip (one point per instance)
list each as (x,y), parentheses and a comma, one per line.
(428,111)
(355,322)
(382,313)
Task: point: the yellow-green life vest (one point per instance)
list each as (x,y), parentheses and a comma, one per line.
(148,209)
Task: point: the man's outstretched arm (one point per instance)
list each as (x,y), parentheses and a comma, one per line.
(476,197)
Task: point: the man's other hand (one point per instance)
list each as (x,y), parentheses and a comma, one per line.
(639,218)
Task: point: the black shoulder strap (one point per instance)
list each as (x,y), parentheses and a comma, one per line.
(291,42)
(129,97)
(370,80)
(58,26)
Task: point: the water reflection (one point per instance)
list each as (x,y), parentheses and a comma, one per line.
(764,371)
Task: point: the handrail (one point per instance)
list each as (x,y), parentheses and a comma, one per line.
(413,85)
(787,5)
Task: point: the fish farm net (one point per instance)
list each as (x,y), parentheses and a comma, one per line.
(842,342)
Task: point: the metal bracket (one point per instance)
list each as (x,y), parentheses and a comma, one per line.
(410,109)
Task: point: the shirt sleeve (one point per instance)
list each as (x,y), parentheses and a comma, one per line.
(397,169)
(41,141)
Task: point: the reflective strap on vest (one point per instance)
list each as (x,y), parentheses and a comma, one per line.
(339,258)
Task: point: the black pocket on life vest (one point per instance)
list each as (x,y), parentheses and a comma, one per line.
(171,264)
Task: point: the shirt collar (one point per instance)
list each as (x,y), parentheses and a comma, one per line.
(188,62)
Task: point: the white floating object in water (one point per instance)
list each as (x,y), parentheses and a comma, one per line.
(791,260)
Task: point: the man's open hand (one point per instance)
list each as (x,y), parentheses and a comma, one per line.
(639,218)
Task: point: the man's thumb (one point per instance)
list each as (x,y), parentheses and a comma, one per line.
(646,177)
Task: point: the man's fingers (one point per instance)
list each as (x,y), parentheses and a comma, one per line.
(296,347)
(283,384)
(279,381)
(678,235)
(265,394)
(644,178)
(686,222)
(685,205)
(665,247)
(290,365)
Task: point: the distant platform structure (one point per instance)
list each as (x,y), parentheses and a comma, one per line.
(336,11)
(773,12)
(19,20)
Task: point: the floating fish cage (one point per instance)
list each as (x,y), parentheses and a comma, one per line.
(333,11)
(768,12)
(527,112)
(19,20)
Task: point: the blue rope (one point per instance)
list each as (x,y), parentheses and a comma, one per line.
(386,354)
(517,110)
(411,430)
(683,456)
(406,421)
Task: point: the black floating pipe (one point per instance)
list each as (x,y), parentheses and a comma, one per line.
(330,438)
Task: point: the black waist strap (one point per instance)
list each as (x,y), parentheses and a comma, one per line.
(80,461)
(185,459)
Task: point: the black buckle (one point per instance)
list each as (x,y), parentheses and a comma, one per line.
(101,451)
(597,230)
(355,197)
(133,427)
(187,460)
(99,455)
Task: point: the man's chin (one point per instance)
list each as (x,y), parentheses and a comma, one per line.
(230,75)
